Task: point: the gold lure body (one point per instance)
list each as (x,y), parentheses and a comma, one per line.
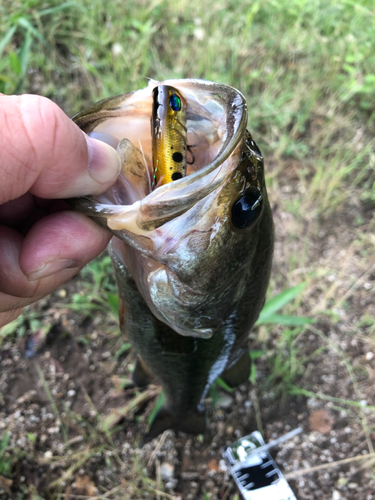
(169,135)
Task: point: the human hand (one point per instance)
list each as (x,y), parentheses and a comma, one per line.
(44,158)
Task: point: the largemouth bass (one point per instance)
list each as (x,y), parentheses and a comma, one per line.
(192,257)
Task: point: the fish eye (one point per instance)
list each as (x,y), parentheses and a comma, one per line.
(175,102)
(248,208)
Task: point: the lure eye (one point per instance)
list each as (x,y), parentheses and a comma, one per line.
(248,208)
(175,102)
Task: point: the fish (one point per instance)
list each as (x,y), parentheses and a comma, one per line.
(169,135)
(192,257)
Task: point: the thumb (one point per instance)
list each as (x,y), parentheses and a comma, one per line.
(48,154)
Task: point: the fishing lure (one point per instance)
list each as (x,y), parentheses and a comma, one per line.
(169,135)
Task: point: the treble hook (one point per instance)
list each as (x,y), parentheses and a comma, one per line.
(192,154)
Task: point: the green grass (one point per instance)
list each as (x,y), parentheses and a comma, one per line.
(301,64)
(5,463)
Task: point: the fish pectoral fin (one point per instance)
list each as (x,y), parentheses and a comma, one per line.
(192,423)
(239,372)
(141,376)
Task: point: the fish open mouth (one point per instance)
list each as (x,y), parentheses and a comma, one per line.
(216,122)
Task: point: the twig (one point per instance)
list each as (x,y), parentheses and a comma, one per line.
(355,285)
(330,465)
(85,497)
(166,495)
(158,479)
(157,448)
(89,400)
(258,415)
(117,414)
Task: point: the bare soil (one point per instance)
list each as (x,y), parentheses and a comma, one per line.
(52,403)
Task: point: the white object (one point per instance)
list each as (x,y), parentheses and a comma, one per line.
(255,472)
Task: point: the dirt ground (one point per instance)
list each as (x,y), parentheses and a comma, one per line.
(53,402)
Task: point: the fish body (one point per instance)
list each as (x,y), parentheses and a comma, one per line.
(169,135)
(192,257)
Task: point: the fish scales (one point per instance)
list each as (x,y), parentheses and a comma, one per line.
(192,257)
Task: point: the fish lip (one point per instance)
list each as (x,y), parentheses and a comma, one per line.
(172,199)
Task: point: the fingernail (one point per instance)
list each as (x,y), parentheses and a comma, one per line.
(104,162)
(50,268)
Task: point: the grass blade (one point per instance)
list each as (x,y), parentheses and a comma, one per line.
(284,319)
(14,63)
(7,38)
(113,301)
(24,53)
(221,383)
(124,347)
(117,414)
(58,8)
(276,303)
(25,23)
(158,404)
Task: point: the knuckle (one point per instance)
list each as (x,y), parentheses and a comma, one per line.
(49,116)
(42,123)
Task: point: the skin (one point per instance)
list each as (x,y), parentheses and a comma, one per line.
(44,158)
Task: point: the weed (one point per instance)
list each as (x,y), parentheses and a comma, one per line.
(158,404)
(285,361)
(125,347)
(5,462)
(23,40)
(98,290)
(29,321)
(268,313)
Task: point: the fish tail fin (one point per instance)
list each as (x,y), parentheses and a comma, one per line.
(239,372)
(192,423)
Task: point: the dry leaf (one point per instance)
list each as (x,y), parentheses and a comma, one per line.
(5,484)
(320,421)
(213,465)
(85,484)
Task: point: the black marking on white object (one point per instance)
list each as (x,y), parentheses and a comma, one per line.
(256,474)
